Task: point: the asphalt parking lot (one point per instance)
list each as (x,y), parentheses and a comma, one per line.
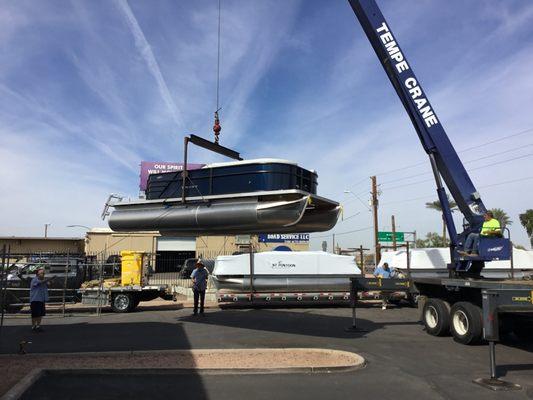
(402,361)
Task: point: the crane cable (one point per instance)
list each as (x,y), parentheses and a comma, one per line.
(216,127)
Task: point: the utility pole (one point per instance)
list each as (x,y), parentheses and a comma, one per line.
(46,230)
(377,256)
(393,233)
(333,247)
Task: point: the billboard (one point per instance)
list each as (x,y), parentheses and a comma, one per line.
(157,167)
(283,237)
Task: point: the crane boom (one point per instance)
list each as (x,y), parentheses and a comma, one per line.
(445,162)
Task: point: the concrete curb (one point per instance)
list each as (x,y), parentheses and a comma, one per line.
(24,384)
(183,351)
(358,362)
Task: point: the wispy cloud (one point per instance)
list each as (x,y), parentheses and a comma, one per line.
(147,54)
(90,89)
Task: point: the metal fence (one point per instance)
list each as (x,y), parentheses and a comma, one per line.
(66,272)
(70,271)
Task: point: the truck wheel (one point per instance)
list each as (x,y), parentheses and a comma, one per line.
(436,317)
(122,303)
(466,322)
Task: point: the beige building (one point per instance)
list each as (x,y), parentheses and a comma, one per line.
(36,245)
(170,251)
(167,252)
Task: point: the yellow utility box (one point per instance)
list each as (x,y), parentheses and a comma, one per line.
(131,267)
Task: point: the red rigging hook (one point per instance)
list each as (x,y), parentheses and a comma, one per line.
(217,128)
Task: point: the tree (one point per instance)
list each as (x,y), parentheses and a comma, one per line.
(433,239)
(502,217)
(435,205)
(526,219)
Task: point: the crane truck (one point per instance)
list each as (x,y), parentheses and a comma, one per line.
(466,304)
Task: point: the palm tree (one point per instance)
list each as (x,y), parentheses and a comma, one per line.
(526,219)
(435,205)
(502,217)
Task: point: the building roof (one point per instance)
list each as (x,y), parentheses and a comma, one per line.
(100,230)
(39,238)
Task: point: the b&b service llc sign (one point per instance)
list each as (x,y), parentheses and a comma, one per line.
(284,237)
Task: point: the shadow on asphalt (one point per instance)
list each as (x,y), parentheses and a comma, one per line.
(512,341)
(502,370)
(299,323)
(128,384)
(103,337)
(84,337)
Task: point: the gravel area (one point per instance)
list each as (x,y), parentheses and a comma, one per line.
(14,367)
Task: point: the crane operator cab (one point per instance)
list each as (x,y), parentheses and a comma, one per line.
(486,243)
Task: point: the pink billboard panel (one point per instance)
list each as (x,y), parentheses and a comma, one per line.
(158,167)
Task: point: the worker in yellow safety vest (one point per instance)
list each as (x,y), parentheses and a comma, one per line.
(491,228)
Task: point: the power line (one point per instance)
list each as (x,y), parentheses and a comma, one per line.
(460,151)
(420,198)
(466,162)
(511,181)
(350,217)
(342,233)
(497,140)
(463,150)
(481,187)
(471,169)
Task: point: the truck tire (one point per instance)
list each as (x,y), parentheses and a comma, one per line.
(122,303)
(436,317)
(466,323)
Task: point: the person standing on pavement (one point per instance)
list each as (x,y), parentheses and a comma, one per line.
(383,272)
(38,299)
(199,284)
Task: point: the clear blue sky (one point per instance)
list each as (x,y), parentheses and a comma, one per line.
(91,88)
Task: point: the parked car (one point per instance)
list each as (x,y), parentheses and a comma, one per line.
(190,264)
(70,277)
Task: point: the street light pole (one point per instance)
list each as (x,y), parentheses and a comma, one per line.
(375,214)
(393,222)
(46,230)
(79,226)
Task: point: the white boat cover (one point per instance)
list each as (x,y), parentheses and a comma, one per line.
(437,258)
(287,263)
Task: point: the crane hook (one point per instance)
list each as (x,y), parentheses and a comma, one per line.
(217,128)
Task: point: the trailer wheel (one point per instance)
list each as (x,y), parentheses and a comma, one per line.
(122,303)
(466,322)
(436,317)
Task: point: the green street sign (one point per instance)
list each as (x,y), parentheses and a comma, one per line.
(387,237)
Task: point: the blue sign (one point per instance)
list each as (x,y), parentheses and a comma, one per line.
(283,237)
